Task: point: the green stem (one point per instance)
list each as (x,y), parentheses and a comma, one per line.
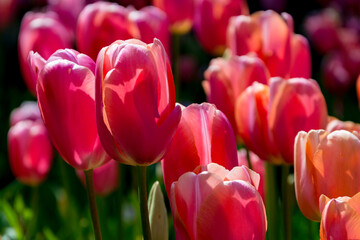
(314,230)
(248,158)
(272,207)
(35,208)
(286,201)
(143,203)
(92,202)
(175,62)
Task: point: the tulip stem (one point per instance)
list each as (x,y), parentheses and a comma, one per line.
(286,201)
(175,62)
(272,204)
(248,158)
(92,202)
(143,203)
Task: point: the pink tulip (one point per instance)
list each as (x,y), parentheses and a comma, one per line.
(42,33)
(135,79)
(106,178)
(325,163)
(30,152)
(257,164)
(251,115)
(180,14)
(27,111)
(335,124)
(340,217)
(102,23)
(218,204)
(204,136)
(152,23)
(66,97)
(225,80)
(212,16)
(295,105)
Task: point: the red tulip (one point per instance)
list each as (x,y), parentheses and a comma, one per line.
(225,80)
(135,79)
(325,163)
(204,136)
(180,13)
(358,88)
(212,16)
(152,23)
(30,152)
(7,11)
(218,204)
(106,178)
(66,97)
(102,23)
(340,217)
(295,105)
(27,111)
(42,33)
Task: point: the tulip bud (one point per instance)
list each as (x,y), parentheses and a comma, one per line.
(157,213)
(27,111)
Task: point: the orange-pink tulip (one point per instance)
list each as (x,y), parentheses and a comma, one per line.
(30,151)
(225,80)
(212,16)
(340,217)
(218,204)
(204,136)
(325,163)
(66,97)
(336,124)
(135,80)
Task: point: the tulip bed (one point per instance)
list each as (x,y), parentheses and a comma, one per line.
(192,119)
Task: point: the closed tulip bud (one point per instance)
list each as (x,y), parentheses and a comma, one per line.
(135,79)
(213,16)
(204,136)
(295,105)
(215,203)
(66,97)
(42,33)
(106,178)
(225,80)
(157,213)
(335,124)
(325,163)
(102,23)
(340,217)
(300,57)
(27,111)
(30,152)
(180,14)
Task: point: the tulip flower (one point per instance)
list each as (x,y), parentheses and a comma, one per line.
(325,163)
(358,88)
(102,23)
(180,14)
(335,124)
(218,204)
(204,136)
(251,111)
(295,105)
(7,11)
(213,16)
(66,97)
(340,217)
(135,79)
(27,111)
(42,33)
(30,151)
(225,80)
(106,178)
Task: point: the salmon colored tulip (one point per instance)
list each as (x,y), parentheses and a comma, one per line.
(271,37)
(212,16)
(325,163)
(180,14)
(335,124)
(257,165)
(225,80)
(135,79)
(66,97)
(42,33)
(102,23)
(30,151)
(204,136)
(340,217)
(106,178)
(251,112)
(27,111)
(218,204)
(295,105)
